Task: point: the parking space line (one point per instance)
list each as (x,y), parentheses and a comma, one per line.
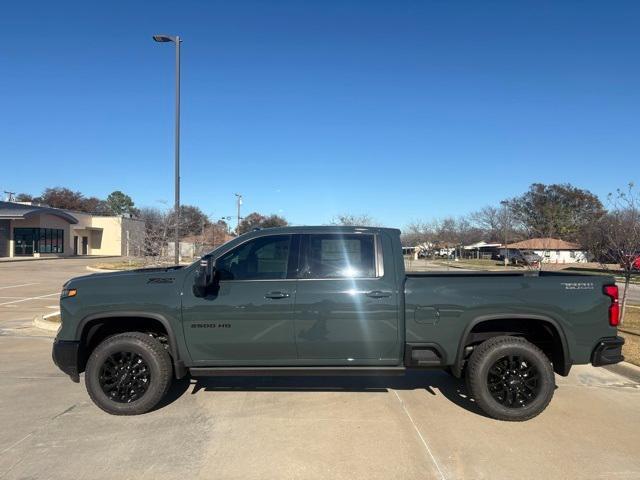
(424,442)
(30,298)
(16,286)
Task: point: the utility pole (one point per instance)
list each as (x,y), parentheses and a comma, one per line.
(9,196)
(238,204)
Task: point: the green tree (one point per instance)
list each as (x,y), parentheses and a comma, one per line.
(256,220)
(558,210)
(193,221)
(25,197)
(120,203)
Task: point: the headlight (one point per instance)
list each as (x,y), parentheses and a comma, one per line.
(68,292)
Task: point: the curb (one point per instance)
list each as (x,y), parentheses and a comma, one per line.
(43,259)
(50,322)
(625,369)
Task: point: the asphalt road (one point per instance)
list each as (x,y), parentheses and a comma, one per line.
(419,426)
(28,288)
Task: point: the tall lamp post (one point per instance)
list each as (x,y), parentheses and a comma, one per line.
(506,219)
(238,204)
(176,40)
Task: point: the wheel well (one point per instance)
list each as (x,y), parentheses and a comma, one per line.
(541,333)
(95,331)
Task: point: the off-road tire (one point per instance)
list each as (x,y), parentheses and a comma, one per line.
(158,367)
(489,354)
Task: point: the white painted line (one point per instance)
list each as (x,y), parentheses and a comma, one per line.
(30,298)
(424,442)
(16,286)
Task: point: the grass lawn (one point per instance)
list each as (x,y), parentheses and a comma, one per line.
(477,264)
(631,349)
(122,265)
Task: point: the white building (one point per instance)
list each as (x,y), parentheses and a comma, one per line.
(552,250)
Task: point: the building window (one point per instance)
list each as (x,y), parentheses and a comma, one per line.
(28,241)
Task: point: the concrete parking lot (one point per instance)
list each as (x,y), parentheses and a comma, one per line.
(419,426)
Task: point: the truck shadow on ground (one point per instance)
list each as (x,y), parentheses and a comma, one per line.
(433,383)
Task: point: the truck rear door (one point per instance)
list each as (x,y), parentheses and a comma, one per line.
(346,306)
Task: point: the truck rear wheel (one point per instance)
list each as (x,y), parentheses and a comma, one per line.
(128,373)
(510,378)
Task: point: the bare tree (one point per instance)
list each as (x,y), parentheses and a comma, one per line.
(615,237)
(158,228)
(349,219)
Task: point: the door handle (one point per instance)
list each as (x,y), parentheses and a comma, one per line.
(276,295)
(378,294)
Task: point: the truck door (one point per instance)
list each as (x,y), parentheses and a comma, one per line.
(250,318)
(346,309)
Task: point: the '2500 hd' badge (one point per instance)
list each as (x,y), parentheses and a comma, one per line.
(578,285)
(210,325)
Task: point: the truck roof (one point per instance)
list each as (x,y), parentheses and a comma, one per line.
(325,228)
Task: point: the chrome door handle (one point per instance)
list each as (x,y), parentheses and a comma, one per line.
(276,295)
(378,294)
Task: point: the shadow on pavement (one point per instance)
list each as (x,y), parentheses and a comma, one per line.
(432,382)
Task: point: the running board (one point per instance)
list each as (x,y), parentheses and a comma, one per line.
(293,371)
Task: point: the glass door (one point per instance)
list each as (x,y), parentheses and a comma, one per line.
(23,240)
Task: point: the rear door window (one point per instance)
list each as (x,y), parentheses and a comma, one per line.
(339,256)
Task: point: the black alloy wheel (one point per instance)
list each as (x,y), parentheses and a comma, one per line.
(514,381)
(124,377)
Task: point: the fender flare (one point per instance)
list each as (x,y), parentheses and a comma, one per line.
(180,369)
(459,360)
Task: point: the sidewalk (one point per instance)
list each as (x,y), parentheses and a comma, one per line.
(35,259)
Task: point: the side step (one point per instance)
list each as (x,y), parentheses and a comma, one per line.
(294,371)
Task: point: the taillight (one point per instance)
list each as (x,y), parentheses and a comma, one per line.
(611,291)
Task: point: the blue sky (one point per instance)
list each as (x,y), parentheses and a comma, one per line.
(401,110)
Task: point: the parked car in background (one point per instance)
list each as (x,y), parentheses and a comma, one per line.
(633,262)
(525,257)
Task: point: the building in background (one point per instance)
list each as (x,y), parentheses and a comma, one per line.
(41,231)
(552,250)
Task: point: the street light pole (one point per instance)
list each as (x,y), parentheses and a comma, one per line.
(239,203)
(506,220)
(175,39)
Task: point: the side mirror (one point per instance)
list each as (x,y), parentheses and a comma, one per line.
(204,277)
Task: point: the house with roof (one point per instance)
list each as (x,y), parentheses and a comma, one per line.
(552,250)
(30,230)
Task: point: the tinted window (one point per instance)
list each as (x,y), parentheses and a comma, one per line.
(340,256)
(263,258)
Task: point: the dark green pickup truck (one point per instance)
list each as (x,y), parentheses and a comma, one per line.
(332,301)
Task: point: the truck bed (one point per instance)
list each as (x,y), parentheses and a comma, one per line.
(442,307)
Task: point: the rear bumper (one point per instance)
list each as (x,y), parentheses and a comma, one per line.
(607,351)
(66,357)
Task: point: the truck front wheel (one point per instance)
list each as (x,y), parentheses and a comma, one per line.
(128,373)
(510,378)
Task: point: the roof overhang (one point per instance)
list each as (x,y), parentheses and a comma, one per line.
(95,229)
(51,211)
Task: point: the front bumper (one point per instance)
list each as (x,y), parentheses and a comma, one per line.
(66,355)
(607,351)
